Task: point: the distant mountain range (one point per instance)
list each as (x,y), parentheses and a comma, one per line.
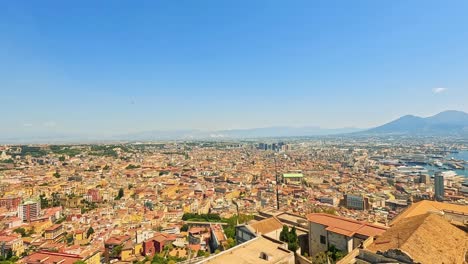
(445,123)
(161,135)
(238,133)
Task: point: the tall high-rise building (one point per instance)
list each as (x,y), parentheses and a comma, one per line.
(439,186)
(29,210)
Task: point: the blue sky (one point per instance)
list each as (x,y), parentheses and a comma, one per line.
(110,67)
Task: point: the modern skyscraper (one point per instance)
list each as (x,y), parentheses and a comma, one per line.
(439,186)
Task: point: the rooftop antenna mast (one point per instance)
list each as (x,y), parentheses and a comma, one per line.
(277,183)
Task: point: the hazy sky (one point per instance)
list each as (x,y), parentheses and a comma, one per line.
(106,67)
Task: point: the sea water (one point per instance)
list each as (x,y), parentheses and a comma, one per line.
(462,155)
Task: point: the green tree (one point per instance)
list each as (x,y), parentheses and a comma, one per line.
(293,244)
(320,258)
(62,158)
(120,194)
(168,247)
(55,199)
(89,232)
(293,234)
(290,237)
(69,238)
(9,254)
(157,259)
(184,228)
(44,201)
(131,167)
(284,235)
(231,243)
(116,251)
(334,253)
(20,231)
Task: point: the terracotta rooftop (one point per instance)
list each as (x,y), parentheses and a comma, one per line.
(8,238)
(345,226)
(426,206)
(117,240)
(51,258)
(163,237)
(266,226)
(218,232)
(427,238)
(54,227)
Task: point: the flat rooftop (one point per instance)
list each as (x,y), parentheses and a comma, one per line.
(293,175)
(250,251)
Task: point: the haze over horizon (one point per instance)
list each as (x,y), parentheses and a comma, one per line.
(107,68)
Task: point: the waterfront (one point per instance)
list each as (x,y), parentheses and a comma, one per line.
(462,155)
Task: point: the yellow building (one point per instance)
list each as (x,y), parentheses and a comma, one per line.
(127,252)
(138,248)
(13,243)
(80,238)
(93,258)
(130,251)
(79,235)
(187,208)
(54,232)
(39,227)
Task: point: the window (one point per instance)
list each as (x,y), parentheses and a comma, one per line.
(322,240)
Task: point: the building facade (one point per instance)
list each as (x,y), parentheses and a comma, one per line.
(439,187)
(344,234)
(29,211)
(356,202)
(54,232)
(10,202)
(13,244)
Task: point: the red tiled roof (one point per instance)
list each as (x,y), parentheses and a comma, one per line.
(195,247)
(7,238)
(44,257)
(117,240)
(54,227)
(345,226)
(162,237)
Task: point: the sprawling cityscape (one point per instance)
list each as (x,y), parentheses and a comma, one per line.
(233,132)
(350,198)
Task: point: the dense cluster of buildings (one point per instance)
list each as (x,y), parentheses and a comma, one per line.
(215,202)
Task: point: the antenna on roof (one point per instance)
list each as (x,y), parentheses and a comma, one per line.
(277,191)
(237,208)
